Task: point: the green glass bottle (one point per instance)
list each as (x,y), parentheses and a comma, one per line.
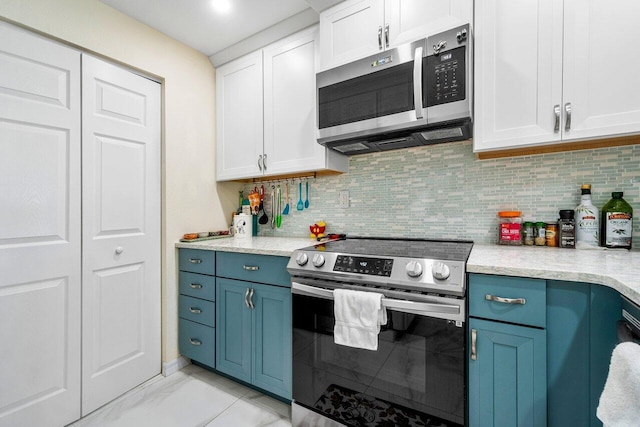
(616,225)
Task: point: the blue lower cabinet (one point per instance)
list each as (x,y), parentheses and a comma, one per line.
(253,341)
(507,379)
(197,342)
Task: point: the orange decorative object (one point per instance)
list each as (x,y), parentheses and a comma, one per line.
(317,230)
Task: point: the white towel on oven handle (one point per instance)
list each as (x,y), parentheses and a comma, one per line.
(620,401)
(358,317)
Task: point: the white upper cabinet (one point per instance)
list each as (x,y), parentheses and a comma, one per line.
(266,113)
(357,28)
(549,71)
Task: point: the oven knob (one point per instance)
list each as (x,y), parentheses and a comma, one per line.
(302,259)
(440,270)
(414,269)
(318,260)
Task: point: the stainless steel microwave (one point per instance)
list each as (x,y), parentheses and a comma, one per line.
(416,94)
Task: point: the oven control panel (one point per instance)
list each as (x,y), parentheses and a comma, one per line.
(364,265)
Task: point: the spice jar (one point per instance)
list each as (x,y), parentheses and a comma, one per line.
(528,233)
(510,228)
(540,234)
(552,234)
(567,229)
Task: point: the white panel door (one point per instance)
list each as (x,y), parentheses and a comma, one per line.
(39,231)
(290,105)
(518,73)
(239,118)
(601,68)
(121,231)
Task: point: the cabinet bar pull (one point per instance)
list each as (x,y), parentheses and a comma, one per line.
(246,298)
(195,261)
(567,109)
(194,341)
(195,286)
(264,162)
(259,162)
(556,112)
(380,37)
(251,267)
(474,349)
(195,310)
(386,35)
(505,300)
(251,299)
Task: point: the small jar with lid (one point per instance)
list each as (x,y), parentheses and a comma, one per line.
(528,233)
(510,228)
(567,229)
(540,238)
(552,234)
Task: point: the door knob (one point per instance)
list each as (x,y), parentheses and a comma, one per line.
(119,250)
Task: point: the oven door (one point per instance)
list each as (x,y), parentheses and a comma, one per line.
(416,377)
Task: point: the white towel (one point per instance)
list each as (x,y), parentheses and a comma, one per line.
(620,401)
(358,318)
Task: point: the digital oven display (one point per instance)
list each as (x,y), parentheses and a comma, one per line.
(363,265)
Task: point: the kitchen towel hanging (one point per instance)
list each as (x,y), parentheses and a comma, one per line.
(620,401)
(358,318)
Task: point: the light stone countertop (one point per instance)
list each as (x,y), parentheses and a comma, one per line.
(618,269)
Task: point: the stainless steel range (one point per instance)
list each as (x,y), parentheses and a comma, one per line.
(417,374)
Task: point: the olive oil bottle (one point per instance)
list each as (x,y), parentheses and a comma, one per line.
(586,216)
(616,225)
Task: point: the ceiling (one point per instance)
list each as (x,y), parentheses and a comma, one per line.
(197,24)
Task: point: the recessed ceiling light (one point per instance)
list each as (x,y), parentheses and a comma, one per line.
(221,6)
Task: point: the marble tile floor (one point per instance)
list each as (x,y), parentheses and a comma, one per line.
(192,397)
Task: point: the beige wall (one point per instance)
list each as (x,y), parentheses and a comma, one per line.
(191,199)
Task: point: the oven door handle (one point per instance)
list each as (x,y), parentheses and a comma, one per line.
(400,305)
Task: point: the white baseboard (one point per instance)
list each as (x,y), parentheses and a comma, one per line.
(174,365)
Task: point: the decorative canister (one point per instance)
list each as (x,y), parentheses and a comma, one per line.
(242,226)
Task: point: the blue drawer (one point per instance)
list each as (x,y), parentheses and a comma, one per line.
(197,342)
(198,286)
(197,261)
(254,268)
(197,310)
(532,291)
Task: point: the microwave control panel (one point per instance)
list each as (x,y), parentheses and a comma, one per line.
(444,76)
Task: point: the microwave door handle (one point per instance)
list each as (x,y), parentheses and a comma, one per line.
(417,82)
(400,305)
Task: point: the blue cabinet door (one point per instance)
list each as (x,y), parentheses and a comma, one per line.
(272,330)
(507,380)
(233,329)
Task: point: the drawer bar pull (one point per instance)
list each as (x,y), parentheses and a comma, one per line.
(505,300)
(251,267)
(195,286)
(194,341)
(474,348)
(195,261)
(195,310)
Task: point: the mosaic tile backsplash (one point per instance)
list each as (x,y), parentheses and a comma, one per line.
(443,191)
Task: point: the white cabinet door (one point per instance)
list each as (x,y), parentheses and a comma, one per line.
(121,232)
(350,30)
(601,68)
(290,105)
(239,118)
(409,20)
(39,231)
(518,73)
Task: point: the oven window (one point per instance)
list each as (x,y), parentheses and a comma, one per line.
(416,377)
(377,94)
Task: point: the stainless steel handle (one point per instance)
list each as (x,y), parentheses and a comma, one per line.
(246,296)
(474,348)
(417,82)
(386,35)
(251,267)
(505,300)
(556,112)
(567,110)
(195,286)
(400,305)
(194,341)
(380,37)
(260,162)
(195,261)
(251,306)
(195,310)
(264,162)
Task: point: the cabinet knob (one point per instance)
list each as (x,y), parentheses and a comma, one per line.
(119,250)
